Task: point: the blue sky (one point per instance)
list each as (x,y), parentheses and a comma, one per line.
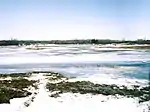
(74,19)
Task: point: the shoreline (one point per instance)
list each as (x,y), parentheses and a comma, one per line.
(73,100)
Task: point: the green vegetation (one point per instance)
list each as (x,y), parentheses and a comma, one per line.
(15,88)
(84,87)
(55,76)
(21,75)
(13,75)
(19,83)
(87,41)
(8,93)
(50,72)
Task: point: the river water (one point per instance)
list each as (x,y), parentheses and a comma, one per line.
(77,60)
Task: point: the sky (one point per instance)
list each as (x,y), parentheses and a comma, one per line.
(74,19)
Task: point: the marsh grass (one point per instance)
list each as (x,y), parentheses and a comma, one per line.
(15,75)
(28,74)
(55,76)
(84,87)
(15,88)
(8,93)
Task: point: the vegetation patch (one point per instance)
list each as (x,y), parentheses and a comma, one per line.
(13,75)
(85,87)
(42,72)
(55,76)
(15,88)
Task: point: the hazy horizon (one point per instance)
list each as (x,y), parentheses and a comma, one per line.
(74,19)
(73,39)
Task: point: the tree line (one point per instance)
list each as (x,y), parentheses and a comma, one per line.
(82,41)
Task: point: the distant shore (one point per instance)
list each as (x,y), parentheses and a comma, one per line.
(87,41)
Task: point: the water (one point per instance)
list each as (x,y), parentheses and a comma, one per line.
(78,60)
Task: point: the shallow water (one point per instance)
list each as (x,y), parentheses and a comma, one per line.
(78,60)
